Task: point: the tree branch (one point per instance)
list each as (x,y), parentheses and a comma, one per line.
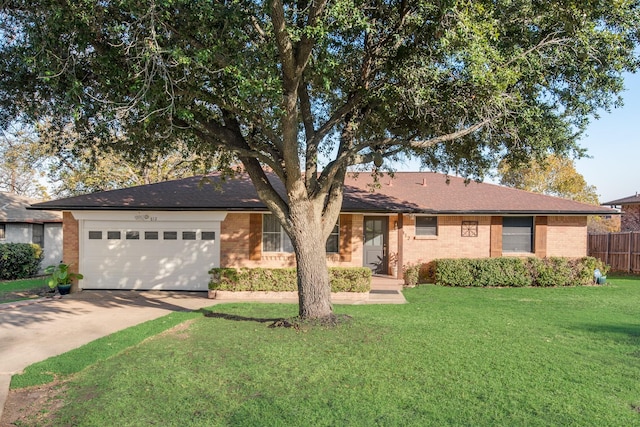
(311,155)
(265,190)
(449,137)
(283,41)
(305,46)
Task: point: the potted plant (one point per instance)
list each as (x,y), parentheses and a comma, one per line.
(393,261)
(61,277)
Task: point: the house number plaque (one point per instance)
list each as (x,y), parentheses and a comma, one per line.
(146,218)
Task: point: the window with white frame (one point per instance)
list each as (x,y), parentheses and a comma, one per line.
(2,231)
(275,239)
(333,242)
(517,234)
(426,226)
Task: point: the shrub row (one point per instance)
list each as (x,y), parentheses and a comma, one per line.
(343,279)
(19,260)
(506,271)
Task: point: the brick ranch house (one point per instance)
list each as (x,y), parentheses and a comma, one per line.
(168,235)
(630,206)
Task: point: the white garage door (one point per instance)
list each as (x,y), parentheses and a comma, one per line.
(148,253)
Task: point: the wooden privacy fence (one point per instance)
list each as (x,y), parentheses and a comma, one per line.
(620,250)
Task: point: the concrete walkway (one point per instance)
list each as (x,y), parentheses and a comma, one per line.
(34,330)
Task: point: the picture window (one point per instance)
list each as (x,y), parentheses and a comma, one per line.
(517,234)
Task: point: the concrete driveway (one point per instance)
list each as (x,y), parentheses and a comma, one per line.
(34,331)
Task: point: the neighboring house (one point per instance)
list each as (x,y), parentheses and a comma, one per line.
(168,235)
(630,206)
(19,225)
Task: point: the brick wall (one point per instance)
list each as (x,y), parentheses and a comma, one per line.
(458,237)
(567,236)
(235,248)
(449,243)
(630,220)
(70,243)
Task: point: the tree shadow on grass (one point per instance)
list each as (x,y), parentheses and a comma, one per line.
(279,322)
(629,330)
(628,334)
(238,318)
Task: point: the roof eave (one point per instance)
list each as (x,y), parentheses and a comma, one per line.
(348,210)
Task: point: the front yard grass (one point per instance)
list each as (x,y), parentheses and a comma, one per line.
(452,356)
(16,290)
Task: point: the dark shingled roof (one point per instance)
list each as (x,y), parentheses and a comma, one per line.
(631,200)
(13,208)
(409,192)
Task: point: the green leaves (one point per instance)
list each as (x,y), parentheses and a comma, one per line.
(421,70)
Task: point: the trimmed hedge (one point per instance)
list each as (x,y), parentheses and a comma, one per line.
(19,260)
(508,271)
(343,279)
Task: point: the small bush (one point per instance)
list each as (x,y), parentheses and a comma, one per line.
(503,271)
(343,279)
(350,279)
(454,272)
(19,260)
(414,273)
(411,274)
(427,272)
(552,272)
(517,272)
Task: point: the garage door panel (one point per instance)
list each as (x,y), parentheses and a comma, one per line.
(149,263)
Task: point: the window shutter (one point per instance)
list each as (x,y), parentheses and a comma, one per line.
(345,237)
(496,237)
(255,237)
(540,236)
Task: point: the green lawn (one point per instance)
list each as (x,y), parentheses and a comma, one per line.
(452,356)
(28,288)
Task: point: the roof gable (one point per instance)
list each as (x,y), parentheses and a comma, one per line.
(409,192)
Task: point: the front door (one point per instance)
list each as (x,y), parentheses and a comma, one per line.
(375,243)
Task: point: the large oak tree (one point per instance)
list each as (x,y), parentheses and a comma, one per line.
(305,89)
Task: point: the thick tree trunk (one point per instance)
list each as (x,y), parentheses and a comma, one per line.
(314,289)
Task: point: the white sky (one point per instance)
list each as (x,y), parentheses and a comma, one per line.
(613,142)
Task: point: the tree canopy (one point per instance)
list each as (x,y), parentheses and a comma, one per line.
(305,89)
(19,167)
(554,176)
(47,161)
(557,176)
(74,167)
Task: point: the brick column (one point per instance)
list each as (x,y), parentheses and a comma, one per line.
(70,243)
